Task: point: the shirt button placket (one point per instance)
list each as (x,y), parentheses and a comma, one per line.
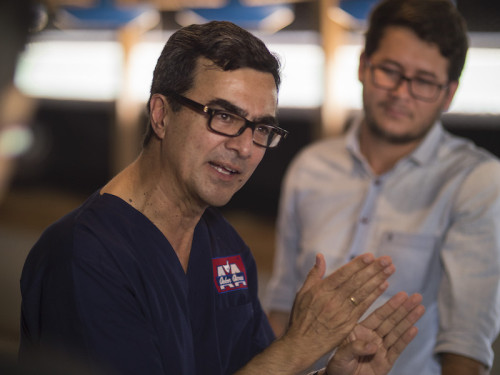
(365,219)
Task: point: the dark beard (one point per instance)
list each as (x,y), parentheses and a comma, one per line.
(402,139)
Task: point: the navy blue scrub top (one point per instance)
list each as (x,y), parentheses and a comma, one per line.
(105,286)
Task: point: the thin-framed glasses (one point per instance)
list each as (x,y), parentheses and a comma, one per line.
(387,78)
(230,124)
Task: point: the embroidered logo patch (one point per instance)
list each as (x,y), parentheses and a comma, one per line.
(229,273)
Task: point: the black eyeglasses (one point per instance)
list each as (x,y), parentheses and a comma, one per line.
(231,125)
(387,78)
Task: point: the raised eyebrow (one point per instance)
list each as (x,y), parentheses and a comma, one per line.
(230,107)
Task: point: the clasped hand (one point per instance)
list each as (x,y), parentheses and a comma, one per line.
(326,312)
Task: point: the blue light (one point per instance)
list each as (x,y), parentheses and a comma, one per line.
(242,15)
(105,15)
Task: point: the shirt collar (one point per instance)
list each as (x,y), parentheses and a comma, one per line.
(426,151)
(423,154)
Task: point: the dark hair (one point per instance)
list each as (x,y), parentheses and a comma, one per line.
(228,46)
(434,21)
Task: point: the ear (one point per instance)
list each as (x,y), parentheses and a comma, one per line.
(158,108)
(361,67)
(450,93)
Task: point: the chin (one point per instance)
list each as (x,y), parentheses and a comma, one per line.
(220,203)
(397,137)
(400,138)
(219,200)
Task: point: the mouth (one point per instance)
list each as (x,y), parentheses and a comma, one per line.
(224,169)
(396,111)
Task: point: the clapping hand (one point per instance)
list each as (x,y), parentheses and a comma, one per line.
(327,309)
(374,344)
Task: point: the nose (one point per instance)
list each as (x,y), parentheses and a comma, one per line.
(403,88)
(242,144)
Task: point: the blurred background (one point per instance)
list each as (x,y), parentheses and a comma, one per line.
(77,111)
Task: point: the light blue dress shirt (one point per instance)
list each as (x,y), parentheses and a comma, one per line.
(436,213)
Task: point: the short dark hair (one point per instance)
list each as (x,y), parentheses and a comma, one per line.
(227,45)
(434,21)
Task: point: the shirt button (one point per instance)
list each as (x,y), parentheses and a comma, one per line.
(364,220)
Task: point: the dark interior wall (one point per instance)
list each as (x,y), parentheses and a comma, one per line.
(72,146)
(483,130)
(480,15)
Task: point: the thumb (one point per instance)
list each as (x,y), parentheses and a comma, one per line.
(356,348)
(316,273)
(347,356)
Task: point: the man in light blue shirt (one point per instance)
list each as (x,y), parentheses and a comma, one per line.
(398,184)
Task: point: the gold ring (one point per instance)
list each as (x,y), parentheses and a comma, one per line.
(353,300)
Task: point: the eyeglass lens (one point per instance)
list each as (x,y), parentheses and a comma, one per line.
(390,79)
(232,125)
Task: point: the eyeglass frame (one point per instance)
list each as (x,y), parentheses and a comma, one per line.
(206,110)
(402,77)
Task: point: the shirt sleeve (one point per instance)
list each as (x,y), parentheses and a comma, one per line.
(469,296)
(285,277)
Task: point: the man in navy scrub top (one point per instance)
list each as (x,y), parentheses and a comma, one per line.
(147,278)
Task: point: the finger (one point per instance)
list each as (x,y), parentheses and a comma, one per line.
(412,316)
(316,273)
(373,289)
(401,319)
(400,344)
(349,300)
(363,282)
(302,300)
(357,284)
(367,285)
(348,271)
(347,356)
(357,348)
(376,318)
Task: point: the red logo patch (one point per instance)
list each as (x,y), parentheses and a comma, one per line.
(229,273)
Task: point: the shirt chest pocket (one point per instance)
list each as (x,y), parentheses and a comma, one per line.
(413,256)
(235,331)
(234,312)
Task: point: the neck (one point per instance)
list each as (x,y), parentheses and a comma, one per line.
(144,186)
(381,154)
